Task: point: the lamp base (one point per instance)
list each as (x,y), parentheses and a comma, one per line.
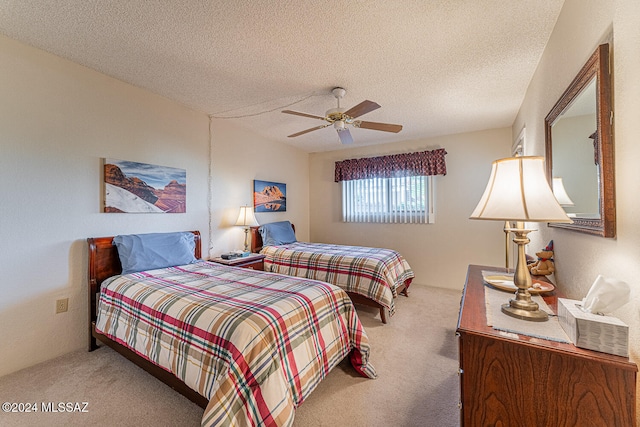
(246,239)
(531,312)
(522,307)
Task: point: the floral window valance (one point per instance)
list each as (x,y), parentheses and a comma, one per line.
(423,163)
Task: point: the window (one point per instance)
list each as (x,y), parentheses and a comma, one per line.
(397,188)
(406,199)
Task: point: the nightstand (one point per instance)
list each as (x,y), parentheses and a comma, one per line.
(253,262)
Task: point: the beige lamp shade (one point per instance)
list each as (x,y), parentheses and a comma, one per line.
(518,191)
(561,193)
(246,218)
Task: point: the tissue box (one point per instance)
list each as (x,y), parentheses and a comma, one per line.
(593,331)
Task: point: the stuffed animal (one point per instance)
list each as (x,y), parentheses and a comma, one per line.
(544,265)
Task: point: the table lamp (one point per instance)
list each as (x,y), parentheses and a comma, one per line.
(518,191)
(246,219)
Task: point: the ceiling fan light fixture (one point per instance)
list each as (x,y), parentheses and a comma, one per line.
(339,92)
(342,119)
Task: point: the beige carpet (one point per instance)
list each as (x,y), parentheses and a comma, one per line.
(415,355)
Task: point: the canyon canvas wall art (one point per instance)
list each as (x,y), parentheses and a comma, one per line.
(269,196)
(132,187)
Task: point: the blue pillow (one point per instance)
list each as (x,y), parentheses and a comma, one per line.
(139,252)
(277,233)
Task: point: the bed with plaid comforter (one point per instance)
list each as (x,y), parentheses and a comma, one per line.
(255,344)
(375,273)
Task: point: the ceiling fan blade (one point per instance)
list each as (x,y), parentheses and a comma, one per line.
(309,130)
(387,127)
(363,108)
(296,113)
(345,136)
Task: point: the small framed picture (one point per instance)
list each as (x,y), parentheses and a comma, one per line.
(269,196)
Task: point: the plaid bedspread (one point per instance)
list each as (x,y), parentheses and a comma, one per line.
(256,344)
(372,272)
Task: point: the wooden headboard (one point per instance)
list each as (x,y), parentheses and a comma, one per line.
(104,263)
(256,238)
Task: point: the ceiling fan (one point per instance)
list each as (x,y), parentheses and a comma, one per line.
(341,118)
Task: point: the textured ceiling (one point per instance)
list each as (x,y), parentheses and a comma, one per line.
(435,66)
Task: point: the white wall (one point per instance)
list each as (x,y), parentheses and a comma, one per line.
(58,120)
(239,157)
(438,253)
(582,25)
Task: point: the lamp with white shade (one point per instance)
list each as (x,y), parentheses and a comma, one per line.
(246,219)
(518,191)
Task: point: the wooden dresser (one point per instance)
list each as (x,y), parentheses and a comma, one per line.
(526,381)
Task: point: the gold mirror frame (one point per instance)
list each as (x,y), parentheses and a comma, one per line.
(597,66)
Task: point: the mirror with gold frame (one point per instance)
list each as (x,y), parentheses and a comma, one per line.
(579,149)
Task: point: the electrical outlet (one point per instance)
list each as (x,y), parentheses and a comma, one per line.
(62,305)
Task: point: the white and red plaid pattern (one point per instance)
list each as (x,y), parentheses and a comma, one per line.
(256,344)
(375,273)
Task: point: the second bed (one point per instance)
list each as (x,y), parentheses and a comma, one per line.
(371,276)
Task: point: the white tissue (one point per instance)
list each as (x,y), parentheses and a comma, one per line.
(606,295)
